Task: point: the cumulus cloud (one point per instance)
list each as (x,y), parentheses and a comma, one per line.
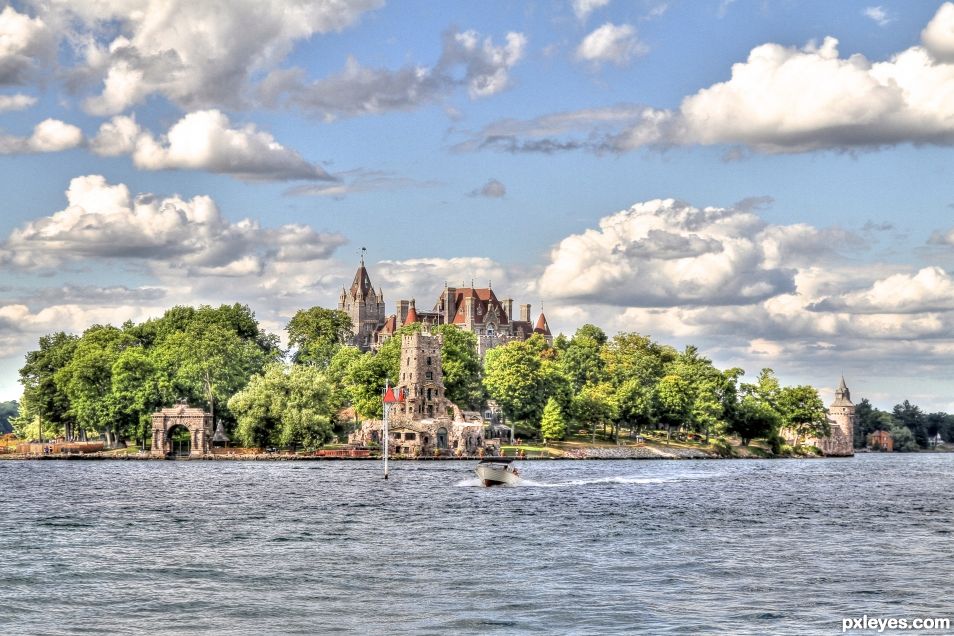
(104,221)
(205,140)
(467,60)
(16,102)
(664,253)
(25,44)
(611,43)
(50,135)
(779,100)
(583,8)
(929,290)
(938,35)
(196,54)
(493,189)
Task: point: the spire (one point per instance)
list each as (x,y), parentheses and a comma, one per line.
(389,397)
(842,394)
(361,285)
(220,437)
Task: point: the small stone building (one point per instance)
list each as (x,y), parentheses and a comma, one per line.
(195,420)
(423,422)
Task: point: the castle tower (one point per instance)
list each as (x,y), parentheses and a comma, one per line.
(421,380)
(364,306)
(841,419)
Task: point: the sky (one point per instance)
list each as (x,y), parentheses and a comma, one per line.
(769,181)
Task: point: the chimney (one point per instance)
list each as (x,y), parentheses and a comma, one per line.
(468,311)
(403,307)
(525,312)
(450,297)
(508,308)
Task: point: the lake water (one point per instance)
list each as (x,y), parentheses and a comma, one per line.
(611,547)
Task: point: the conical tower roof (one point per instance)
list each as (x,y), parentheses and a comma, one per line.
(411,315)
(542,326)
(220,437)
(361,285)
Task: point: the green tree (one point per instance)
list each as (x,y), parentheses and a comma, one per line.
(581,360)
(904,441)
(673,402)
(802,412)
(284,406)
(552,424)
(8,411)
(754,418)
(913,418)
(514,378)
(461,367)
(87,381)
(42,396)
(316,334)
(595,405)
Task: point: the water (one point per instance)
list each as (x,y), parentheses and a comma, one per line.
(612,547)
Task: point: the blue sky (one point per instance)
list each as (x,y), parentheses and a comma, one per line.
(768,180)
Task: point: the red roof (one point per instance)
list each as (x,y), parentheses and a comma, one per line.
(411,315)
(542,326)
(390,325)
(389,396)
(484,300)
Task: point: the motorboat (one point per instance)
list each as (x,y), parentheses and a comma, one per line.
(497,471)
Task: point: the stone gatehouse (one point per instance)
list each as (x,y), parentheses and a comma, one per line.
(195,420)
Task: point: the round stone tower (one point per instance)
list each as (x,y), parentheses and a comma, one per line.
(421,380)
(841,418)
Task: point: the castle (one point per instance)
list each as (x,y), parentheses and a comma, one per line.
(841,421)
(474,309)
(422,421)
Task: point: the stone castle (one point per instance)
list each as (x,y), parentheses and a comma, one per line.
(474,309)
(423,422)
(841,421)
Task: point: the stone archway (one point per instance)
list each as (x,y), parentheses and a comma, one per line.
(195,420)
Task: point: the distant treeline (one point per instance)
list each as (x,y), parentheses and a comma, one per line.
(910,427)
(107,381)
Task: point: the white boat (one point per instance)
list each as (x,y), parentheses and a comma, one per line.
(497,471)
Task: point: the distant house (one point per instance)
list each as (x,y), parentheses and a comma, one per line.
(881,441)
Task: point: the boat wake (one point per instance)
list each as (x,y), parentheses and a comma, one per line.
(622,480)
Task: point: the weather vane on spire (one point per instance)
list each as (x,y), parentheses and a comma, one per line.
(363,250)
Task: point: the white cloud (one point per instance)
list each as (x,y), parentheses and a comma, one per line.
(878,15)
(583,8)
(929,290)
(196,54)
(938,35)
(104,221)
(611,43)
(664,253)
(205,140)
(480,65)
(16,102)
(779,100)
(25,44)
(50,135)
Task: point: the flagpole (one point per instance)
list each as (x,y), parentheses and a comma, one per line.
(387,408)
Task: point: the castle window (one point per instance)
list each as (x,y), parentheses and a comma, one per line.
(428,362)
(429,376)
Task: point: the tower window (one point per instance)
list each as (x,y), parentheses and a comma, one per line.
(428,362)
(429,376)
